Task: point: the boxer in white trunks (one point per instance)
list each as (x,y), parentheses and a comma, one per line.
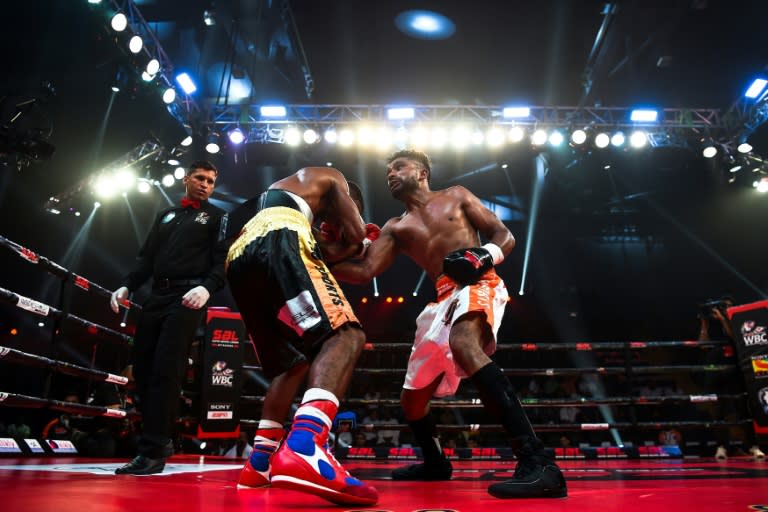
(440,231)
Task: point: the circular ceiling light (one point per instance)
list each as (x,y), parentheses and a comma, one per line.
(425,24)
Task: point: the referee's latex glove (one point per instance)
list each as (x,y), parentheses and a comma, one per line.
(196,298)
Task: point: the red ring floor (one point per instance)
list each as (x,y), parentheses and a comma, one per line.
(193,484)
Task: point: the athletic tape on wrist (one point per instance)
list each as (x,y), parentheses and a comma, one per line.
(495,252)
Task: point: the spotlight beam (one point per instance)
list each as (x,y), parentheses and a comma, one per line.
(709,250)
(538,184)
(418,285)
(479,170)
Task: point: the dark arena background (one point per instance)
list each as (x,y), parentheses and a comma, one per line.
(623,144)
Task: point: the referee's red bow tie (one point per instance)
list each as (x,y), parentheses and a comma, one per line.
(190,202)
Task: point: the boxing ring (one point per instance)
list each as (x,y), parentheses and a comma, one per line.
(614,461)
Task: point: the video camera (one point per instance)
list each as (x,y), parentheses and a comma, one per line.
(721,304)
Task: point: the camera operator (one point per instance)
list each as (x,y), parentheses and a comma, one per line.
(714,324)
(715,310)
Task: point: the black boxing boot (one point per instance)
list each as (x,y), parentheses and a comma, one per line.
(436,465)
(536,476)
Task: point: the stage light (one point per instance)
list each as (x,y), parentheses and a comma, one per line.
(179,173)
(460,136)
(398,113)
(94,2)
(14,332)
(516,112)
(389,300)
(346,137)
(744,147)
(96,205)
(400,300)
(212,143)
(153,66)
(168,180)
(236,136)
(125,179)
(292,136)
(602,140)
(644,116)
(119,22)
(756,88)
(735,168)
(144,186)
(424,24)
(173,161)
(147,77)
(709,149)
(579,137)
(169,96)
(364,136)
(310,136)
(539,137)
(516,134)
(209,18)
(105,186)
(419,137)
(186,141)
(556,138)
(364,300)
(494,137)
(273,111)
(638,139)
(77,214)
(135,44)
(762,186)
(186,83)
(331,136)
(618,139)
(383,138)
(439,138)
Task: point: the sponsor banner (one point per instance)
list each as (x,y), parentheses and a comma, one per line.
(749,324)
(760,366)
(116,379)
(9,445)
(222,375)
(35,307)
(61,446)
(703,398)
(34,446)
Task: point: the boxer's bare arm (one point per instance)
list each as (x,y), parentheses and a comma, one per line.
(486,222)
(379,256)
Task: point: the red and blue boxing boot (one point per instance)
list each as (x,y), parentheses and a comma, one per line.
(304,462)
(255,473)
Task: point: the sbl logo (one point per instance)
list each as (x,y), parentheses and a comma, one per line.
(224,335)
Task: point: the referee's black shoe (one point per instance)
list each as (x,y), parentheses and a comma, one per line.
(424,472)
(142,465)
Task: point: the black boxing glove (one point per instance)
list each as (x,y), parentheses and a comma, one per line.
(467,266)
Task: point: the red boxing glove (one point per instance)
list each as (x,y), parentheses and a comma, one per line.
(372,232)
(330,232)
